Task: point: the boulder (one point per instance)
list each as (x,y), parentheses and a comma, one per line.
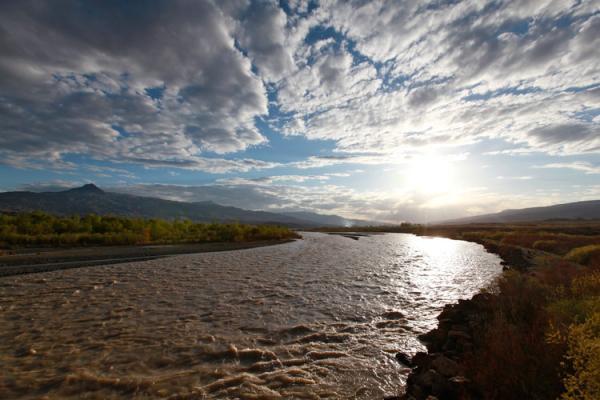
(445,366)
(404,359)
(421,360)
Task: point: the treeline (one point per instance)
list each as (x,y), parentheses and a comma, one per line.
(46,230)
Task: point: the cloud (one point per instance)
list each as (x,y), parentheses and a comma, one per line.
(82,87)
(515,178)
(56,185)
(447,74)
(263,35)
(566,134)
(582,166)
(268,180)
(270,195)
(169,84)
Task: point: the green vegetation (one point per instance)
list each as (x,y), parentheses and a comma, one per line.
(38,229)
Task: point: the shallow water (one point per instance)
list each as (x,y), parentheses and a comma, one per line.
(317,318)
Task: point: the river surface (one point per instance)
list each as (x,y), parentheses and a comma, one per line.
(317,318)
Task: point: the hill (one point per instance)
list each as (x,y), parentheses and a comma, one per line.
(91,199)
(328,220)
(568,211)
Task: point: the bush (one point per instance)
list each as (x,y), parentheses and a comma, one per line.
(40,229)
(542,337)
(584,354)
(545,245)
(512,359)
(585,255)
(557,243)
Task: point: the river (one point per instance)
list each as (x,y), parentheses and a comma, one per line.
(317,318)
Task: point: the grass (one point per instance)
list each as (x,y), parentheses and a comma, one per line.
(38,229)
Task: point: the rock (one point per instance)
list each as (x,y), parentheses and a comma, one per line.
(445,366)
(25,351)
(404,359)
(459,387)
(459,380)
(434,340)
(393,315)
(460,327)
(430,379)
(438,373)
(421,360)
(455,334)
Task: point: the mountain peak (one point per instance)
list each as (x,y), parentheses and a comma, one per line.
(87,188)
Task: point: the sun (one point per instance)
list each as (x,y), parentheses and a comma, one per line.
(430,174)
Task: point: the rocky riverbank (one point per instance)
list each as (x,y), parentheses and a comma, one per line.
(439,373)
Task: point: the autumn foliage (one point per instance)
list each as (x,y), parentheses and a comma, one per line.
(39,229)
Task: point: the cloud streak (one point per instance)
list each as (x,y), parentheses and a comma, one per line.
(585,167)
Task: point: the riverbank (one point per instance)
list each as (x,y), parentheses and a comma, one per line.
(25,261)
(536,336)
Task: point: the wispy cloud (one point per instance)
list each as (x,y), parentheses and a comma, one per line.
(585,167)
(515,178)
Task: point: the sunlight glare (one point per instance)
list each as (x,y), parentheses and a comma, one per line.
(430,174)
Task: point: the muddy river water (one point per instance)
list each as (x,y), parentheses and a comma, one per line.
(317,318)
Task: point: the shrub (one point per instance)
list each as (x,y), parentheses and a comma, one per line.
(40,229)
(512,359)
(557,243)
(584,354)
(545,245)
(585,255)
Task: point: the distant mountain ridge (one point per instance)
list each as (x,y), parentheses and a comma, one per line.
(328,220)
(89,199)
(578,210)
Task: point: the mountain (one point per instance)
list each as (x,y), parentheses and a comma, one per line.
(579,210)
(91,199)
(328,220)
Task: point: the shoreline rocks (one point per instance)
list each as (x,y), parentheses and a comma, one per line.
(438,373)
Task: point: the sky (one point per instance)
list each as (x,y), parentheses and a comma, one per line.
(379,110)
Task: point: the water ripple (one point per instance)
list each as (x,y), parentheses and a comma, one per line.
(318,318)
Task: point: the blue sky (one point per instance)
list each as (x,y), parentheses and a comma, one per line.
(380,110)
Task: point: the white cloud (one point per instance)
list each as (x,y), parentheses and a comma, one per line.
(75,88)
(262,34)
(468,72)
(582,166)
(515,178)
